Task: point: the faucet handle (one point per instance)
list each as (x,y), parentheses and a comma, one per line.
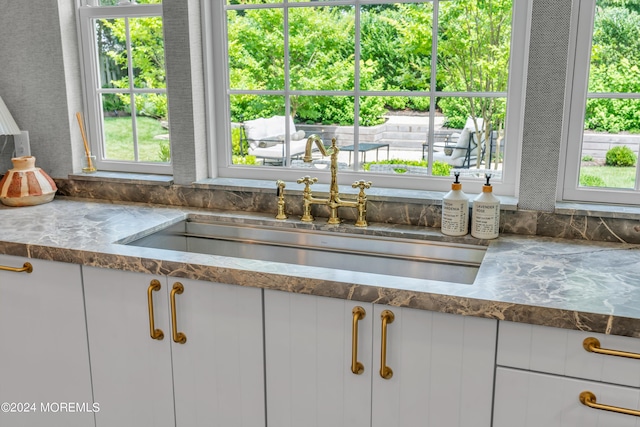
(307,180)
(362,184)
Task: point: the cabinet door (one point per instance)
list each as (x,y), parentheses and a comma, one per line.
(531,399)
(131,372)
(308,343)
(443,367)
(43,350)
(219,370)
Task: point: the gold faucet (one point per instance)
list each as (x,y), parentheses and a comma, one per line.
(334,201)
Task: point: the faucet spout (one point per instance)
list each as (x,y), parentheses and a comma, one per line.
(307,150)
(334,201)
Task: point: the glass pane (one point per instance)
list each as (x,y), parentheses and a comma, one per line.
(256,49)
(463,122)
(258,129)
(252,1)
(396,46)
(615,53)
(474,38)
(321,45)
(116,2)
(112,53)
(147,52)
(327,117)
(609,154)
(117,127)
(152,128)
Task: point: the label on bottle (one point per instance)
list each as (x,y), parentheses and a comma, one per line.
(486,220)
(455,217)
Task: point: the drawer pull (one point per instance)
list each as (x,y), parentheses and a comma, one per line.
(356,367)
(178,337)
(26,268)
(589,399)
(156,334)
(385,371)
(592,345)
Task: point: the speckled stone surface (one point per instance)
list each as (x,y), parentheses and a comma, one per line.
(574,284)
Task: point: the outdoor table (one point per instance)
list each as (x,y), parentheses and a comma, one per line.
(363,148)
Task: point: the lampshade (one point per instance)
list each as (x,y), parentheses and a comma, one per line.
(8,126)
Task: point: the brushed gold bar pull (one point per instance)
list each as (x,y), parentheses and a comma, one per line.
(589,399)
(385,371)
(356,367)
(26,268)
(178,337)
(156,334)
(592,345)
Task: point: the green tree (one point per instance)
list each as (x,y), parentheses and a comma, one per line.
(615,62)
(473,56)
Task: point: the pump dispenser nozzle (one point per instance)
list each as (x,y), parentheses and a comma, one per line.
(487,187)
(457,185)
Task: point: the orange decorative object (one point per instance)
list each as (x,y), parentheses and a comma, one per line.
(25,184)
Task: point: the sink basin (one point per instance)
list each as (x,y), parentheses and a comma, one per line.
(400,257)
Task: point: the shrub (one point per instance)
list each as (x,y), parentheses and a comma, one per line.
(438,169)
(591,181)
(243,160)
(165,152)
(621,156)
(441,168)
(587,158)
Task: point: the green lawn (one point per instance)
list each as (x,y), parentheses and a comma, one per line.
(119,140)
(609,176)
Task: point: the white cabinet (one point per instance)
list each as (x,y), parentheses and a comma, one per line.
(214,378)
(542,372)
(443,365)
(44,363)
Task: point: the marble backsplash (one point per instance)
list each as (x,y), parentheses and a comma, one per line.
(615,225)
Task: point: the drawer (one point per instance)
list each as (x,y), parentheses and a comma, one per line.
(532,399)
(561,352)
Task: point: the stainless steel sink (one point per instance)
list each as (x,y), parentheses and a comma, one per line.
(398,257)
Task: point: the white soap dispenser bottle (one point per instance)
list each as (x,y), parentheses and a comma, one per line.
(485,219)
(455,210)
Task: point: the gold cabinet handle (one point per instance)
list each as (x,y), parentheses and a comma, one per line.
(178,337)
(385,371)
(589,399)
(26,268)
(156,334)
(592,345)
(356,367)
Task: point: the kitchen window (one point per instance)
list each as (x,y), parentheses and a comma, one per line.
(603,135)
(396,81)
(125,87)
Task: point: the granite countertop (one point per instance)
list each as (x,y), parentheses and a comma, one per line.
(571,284)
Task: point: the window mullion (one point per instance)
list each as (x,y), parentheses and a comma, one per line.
(132,95)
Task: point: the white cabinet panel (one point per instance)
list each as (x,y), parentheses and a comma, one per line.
(308,362)
(560,351)
(530,399)
(442,370)
(43,350)
(219,371)
(132,378)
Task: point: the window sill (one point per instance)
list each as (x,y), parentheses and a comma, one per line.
(598,210)
(124,177)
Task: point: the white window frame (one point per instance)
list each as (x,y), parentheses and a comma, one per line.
(214,17)
(578,82)
(92,85)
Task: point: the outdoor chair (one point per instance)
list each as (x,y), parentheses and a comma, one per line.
(466,147)
(264,138)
